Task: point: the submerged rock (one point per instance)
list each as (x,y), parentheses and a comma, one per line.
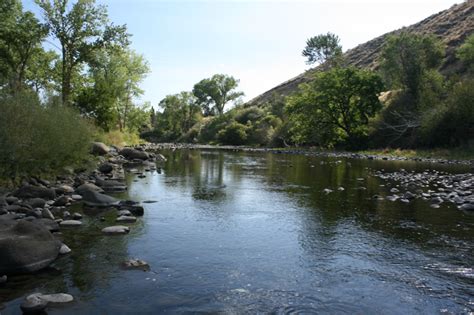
(136,264)
(116,229)
(57,298)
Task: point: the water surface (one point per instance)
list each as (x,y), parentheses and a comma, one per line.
(254,233)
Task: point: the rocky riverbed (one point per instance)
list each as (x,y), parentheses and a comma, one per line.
(33,216)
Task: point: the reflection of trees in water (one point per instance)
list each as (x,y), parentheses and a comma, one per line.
(203,172)
(325,215)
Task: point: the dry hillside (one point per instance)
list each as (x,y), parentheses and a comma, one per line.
(452,26)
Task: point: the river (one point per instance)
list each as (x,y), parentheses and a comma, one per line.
(249,233)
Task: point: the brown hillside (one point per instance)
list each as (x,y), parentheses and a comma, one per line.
(452,26)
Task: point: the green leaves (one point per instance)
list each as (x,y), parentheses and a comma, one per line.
(214,93)
(322,48)
(335,107)
(407,57)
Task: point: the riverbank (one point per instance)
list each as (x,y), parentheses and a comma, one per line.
(441,157)
(34,215)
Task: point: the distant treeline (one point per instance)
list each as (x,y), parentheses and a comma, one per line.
(407,103)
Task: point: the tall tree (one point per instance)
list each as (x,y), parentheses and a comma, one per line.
(20,40)
(115,76)
(335,106)
(215,92)
(322,48)
(408,58)
(180,113)
(81,29)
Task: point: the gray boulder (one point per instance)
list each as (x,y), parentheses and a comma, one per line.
(49,224)
(132,154)
(88,187)
(36,202)
(106,168)
(29,191)
(95,199)
(99,148)
(25,247)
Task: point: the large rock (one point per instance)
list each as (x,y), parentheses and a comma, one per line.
(49,224)
(132,154)
(36,202)
(95,199)
(99,148)
(29,191)
(88,187)
(106,168)
(25,247)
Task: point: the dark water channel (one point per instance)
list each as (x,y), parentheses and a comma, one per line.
(247,233)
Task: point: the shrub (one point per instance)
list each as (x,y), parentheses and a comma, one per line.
(37,139)
(233,134)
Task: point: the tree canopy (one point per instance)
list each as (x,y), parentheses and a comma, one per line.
(81,29)
(322,48)
(214,93)
(408,58)
(335,106)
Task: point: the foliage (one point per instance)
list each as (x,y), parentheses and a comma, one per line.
(406,58)
(115,75)
(37,139)
(466,52)
(20,46)
(322,48)
(81,29)
(214,93)
(118,138)
(233,134)
(451,123)
(179,113)
(335,107)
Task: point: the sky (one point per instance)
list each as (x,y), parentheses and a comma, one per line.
(258,42)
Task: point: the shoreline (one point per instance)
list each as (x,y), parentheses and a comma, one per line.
(309,152)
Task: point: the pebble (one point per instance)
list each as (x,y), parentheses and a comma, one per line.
(116,229)
(64,249)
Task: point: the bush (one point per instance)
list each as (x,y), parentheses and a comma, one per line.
(233,134)
(37,139)
(452,123)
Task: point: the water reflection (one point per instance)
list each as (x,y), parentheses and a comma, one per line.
(234,232)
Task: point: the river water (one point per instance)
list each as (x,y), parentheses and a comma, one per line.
(249,233)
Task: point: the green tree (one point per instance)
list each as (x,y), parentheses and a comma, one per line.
(20,40)
(466,52)
(406,60)
(180,113)
(115,76)
(335,106)
(322,48)
(81,30)
(215,92)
